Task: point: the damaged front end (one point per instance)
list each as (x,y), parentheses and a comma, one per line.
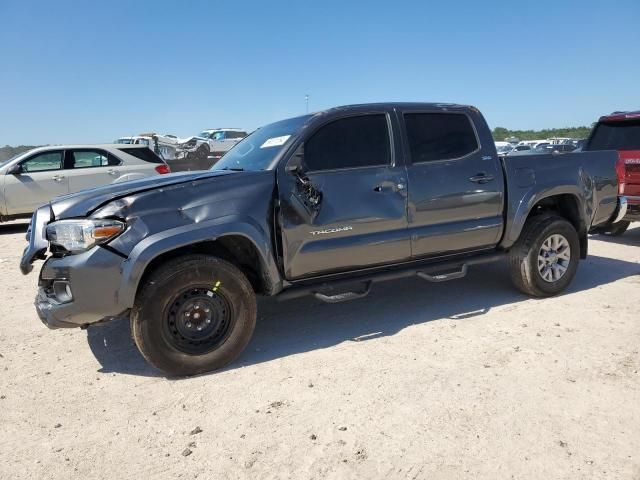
(78,283)
(97,244)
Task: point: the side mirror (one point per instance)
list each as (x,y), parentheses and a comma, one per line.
(296,162)
(15,170)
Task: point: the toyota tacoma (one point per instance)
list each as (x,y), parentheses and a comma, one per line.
(325,204)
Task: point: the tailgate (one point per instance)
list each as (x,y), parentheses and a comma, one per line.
(630,160)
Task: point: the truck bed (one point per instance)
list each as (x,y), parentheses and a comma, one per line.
(590,176)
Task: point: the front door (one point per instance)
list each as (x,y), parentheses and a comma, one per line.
(40,179)
(455,188)
(347,208)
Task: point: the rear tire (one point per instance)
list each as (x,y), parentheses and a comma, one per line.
(194,314)
(545,258)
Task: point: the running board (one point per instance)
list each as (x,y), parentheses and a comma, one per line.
(443,277)
(344,297)
(323,288)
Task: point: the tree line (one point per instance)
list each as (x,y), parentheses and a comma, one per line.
(500,133)
(8,151)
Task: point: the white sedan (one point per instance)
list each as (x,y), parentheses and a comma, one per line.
(33,178)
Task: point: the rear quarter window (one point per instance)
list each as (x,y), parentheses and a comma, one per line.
(616,136)
(145,154)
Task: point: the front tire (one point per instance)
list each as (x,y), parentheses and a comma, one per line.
(202,155)
(194,314)
(545,258)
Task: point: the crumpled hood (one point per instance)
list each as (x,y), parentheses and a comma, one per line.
(85,202)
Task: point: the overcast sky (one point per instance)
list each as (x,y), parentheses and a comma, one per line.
(90,71)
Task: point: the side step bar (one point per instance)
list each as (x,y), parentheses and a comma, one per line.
(443,277)
(433,272)
(346,296)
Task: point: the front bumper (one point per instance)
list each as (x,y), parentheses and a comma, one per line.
(76,290)
(93,278)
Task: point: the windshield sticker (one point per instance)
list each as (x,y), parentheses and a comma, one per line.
(275,141)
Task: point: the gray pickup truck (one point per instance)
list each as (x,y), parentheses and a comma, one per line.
(325,204)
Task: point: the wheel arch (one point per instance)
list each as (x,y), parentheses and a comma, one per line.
(566,204)
(241,244)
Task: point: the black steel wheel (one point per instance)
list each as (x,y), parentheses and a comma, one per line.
(198,320)
(194,314)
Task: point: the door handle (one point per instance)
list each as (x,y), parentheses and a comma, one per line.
(396,187)
(58,178)
(481,178)
(111,171)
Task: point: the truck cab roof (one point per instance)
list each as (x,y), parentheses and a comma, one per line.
(621,116)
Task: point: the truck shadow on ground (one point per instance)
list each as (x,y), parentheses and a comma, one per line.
(631,237)
(302,325)
(12,228)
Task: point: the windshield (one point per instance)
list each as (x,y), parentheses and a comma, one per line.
(5,162)
(616,136)
(124,141)
(257,151)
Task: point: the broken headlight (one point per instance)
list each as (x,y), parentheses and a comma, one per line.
(82,234)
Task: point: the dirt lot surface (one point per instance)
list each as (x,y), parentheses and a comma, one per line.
(467,379)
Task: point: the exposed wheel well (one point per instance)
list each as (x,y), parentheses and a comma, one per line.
(566,206)
(235,249)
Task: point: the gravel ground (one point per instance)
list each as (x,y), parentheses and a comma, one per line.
(467,379)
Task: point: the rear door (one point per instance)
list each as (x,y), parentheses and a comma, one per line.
(89,168)
(41,179)
(361,218)
(455,188)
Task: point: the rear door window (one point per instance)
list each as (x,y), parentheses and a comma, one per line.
(352,142)
(439,136)
(92,158)
(616,136)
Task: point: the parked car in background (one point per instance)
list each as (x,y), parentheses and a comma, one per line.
(554,148)
(198,152)
(580,143)
(559,140)
(191,151)
(520,150)
(504,148)
(221,140)
(621,131)
(215,142)
(37,176)
(166,146)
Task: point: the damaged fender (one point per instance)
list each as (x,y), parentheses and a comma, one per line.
(142,255)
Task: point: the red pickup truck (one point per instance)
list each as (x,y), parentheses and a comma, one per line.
(621,131)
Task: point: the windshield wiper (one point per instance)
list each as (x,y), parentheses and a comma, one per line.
(233,169)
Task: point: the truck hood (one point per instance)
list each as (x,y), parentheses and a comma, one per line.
(85,202)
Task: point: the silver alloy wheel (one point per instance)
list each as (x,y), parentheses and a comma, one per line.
(554,258)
